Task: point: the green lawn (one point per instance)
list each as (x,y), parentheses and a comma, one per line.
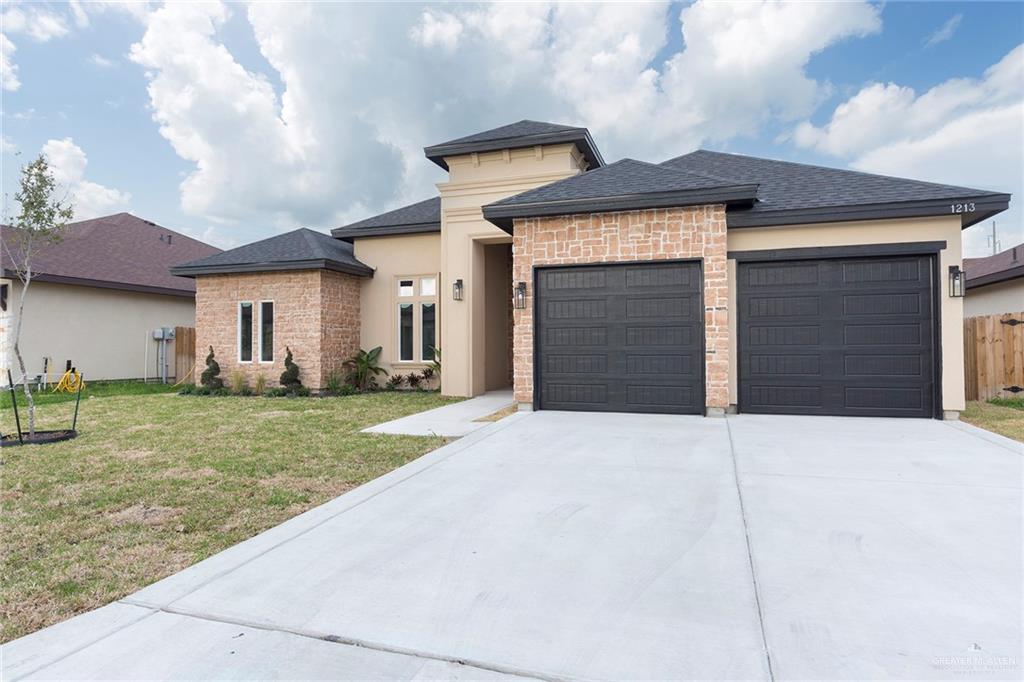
(1004,416)
(155,483)
(92,389)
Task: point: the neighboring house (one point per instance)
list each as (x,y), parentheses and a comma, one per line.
(97,296)
(995,284)
(706,283)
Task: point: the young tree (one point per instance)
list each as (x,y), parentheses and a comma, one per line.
(39,224)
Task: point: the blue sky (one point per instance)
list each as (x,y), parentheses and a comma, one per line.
(235,122)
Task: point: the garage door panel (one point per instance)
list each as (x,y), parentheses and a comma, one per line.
(629,339)
(864,346)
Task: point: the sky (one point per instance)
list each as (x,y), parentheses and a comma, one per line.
(235,122)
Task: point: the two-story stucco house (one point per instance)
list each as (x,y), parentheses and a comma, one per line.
(706,283)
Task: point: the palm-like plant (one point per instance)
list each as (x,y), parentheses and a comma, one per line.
(363,368)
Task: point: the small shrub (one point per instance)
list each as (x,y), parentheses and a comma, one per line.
(300,392)
(290,376)
(335,382)
(363,368)
(187,389)
(276,392)
(413,380)
(435,364)
(220,392)
(237,381)
(209,378)
(395,381)
(427,375)
(260,384)
(202,390)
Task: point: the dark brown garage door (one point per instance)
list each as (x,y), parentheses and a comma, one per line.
(620,338)
(842,336)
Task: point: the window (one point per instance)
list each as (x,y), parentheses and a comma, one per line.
(3,297)
(245,331)
(266,331)
(428,319)
(405,331)
(417,318)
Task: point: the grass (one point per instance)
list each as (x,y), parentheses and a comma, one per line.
(1004,416)
(97,389)
(158,482)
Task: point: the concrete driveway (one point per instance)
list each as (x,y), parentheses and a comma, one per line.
(594,546)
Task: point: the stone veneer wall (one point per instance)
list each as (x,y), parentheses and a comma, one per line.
(648,235)
(316,314)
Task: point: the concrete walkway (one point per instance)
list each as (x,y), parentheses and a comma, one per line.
(453,420)
(567,546)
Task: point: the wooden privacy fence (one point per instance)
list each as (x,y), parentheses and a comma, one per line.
(994,356)
(184,353)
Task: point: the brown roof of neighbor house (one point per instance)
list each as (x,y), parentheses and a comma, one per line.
(118,251)
(1000,267)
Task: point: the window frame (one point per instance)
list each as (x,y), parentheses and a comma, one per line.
(238,331)
(416,300)
(259,332)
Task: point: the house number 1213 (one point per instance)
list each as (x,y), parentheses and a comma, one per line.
(962,208)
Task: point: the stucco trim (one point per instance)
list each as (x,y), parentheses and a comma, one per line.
(315,264)
(578,136)
(853,251)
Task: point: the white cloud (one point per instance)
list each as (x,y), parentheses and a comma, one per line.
(8,69)
(37,22)
(68,162)
(437,29)
(342,135)
(944,32)
(6,145)
(101,61)
(964,131)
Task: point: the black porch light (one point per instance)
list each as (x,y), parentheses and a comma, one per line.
(956,281)
(457,290)
(519,296)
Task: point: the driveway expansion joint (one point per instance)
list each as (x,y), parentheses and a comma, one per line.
(750,552)
(375,646)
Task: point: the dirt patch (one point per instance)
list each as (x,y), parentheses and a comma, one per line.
(500,414)
(144,514)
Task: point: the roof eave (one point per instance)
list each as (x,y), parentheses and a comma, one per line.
(104,284)
(995,277)
(274,266)
(503,215)
(579,136)
(985,206)
(348,234)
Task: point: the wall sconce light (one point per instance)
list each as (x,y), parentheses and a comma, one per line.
(956,281)
(519,296)
(457,290)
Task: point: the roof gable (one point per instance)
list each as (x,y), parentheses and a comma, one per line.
(301,249)
(999,267)
(119,251)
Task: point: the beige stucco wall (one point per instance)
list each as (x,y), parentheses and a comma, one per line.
(104,332)
(995,299)
(413,255)
(498,294)
(869,232)
(476,180)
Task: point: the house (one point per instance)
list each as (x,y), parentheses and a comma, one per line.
(96,298)
(706,283)
(995,284)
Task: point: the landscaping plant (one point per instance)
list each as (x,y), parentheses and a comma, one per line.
(413,380)
(239,385)
(290,376)
(335,383)
(260,386)
(39,224)
(435,364)
(210,378)
(395,381)
(363,368)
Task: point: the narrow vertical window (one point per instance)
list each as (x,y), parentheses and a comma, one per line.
(245,331)
(405,331)
(267,331)
(428,322)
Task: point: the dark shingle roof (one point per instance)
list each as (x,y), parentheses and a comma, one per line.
(795,192)
(301,249)
(119,251)
(516,136)
(1000,267)
(624,185)
(423,216)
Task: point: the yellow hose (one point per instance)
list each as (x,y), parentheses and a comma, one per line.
(69,383)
